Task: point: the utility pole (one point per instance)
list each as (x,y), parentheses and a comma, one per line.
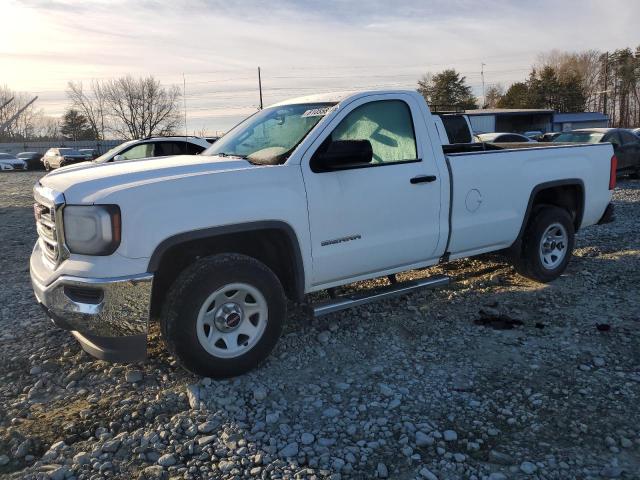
(260,87)
(606,81)
(184,102)
(484,98)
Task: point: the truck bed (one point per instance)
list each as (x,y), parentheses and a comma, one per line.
(492,147)
(491,186)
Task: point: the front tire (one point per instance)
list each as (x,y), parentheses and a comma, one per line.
(547,246)
(223,315)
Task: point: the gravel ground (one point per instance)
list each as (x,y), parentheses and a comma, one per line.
(493,377)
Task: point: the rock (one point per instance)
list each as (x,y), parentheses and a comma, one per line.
(154,471)
(331,412)
(289,451)
(81,458)
(193,396)
(23,449)
(209,426)
(35,370)
(423,440)
(259,394)
(385,390)
(382,471)
(500,458)
(133,376)
(599,362)
(167,460)
(202,441)
(307,438)
(111,446)
(4,460)
(272,418)
(323,337)
(428,474)
(459,457)
(450,436)
(226,466)
(528,468)
(625,442)
(497,476)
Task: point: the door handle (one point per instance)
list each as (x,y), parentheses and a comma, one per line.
(423,179)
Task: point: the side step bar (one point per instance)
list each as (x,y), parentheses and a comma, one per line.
(353,300)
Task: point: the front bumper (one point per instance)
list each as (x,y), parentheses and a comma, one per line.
(108,316)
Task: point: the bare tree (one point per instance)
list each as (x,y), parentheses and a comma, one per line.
(16,115)
(142,107)
(92,104)
(495,92)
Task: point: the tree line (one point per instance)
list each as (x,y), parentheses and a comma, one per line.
(125,107)
(606,82)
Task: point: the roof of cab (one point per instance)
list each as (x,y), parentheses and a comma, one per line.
(337,97)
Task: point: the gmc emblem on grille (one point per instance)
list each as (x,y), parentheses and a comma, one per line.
(37,211)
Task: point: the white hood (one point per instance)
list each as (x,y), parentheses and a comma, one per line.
(81,181)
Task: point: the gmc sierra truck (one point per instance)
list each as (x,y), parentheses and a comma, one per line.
(306,195)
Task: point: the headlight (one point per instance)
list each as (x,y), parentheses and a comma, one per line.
(92,229)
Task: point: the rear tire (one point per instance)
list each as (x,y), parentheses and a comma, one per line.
(547,245)
(223,315)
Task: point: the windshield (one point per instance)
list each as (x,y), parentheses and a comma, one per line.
(579,137)
(269,136)
(7,156)
(109,153)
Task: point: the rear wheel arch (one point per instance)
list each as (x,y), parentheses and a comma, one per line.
(274,243)
(567,194)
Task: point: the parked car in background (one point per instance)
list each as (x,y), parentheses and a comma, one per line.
(626,145)
(33,159)
(212,139)
(505,137)
(9,162)
(89,153)
(548,137)
(533,134)
(154,147)
(60,157)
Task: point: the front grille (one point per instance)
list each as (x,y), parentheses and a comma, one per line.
(46,226)
(46,210)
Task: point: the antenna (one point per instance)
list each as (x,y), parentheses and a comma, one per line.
(484,98)
(260,87)
(184,99)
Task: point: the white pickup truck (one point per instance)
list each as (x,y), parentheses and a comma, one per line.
(303,196)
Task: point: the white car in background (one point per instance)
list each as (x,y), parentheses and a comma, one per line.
(503,137)
(636,132)
(154,147)
(9,162)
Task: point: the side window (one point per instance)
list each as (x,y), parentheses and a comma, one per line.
(164,149)
(386,124)
(629,138)
(193,149)
(142,150)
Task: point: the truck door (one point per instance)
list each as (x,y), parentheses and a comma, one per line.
(373,190)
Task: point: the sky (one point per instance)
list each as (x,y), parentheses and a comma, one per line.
(302,47)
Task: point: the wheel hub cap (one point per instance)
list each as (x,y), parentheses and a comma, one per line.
(553,247)
(228,317)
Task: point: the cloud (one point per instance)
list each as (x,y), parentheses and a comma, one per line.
(302,46)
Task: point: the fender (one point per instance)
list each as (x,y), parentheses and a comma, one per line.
(543,186)
(212,232)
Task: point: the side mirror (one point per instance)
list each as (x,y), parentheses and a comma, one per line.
(342,154)
(117,158)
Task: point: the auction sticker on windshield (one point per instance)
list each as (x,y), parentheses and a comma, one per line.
(318,112)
